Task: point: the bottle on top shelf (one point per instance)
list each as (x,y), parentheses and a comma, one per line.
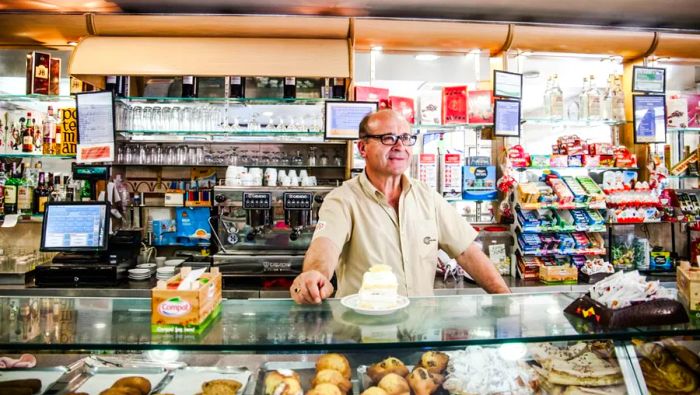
(547,98)
(556,100)
(594,100)
(117,84)
(28,135)
(236,87)
(290,88)
(189,86)
(338,90)
(607,104)
(618,104)
(583,100)
(49,133)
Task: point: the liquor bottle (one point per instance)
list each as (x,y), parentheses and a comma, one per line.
(3,180)
(85,192)
(58,140)
(41,195)
(28,135)
(607,104)
(547,97)
(290,88)
(112,84)
(68,191)
(338,88)
(25,193)
(326,90)
(49,132)
(594,101)
(55,189)
(556,100)
(618,100)
(583,101)
(189,86)
(37,136)
(236,87)
(11,191)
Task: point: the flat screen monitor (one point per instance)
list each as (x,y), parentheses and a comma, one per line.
(75,227)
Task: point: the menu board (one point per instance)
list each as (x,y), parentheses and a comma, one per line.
(649,119)
(506,118)
(649,79)
(95,127)
(343,119)
(506,84)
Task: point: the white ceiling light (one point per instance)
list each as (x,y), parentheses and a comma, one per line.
(426,56)
(377,48)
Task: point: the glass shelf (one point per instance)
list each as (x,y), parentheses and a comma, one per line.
(433,128)
(282,326)
(38,156)
(684,130)
(683,176)
(36,98)
(566,122)
(258,133)
(601,168)
(252,100)
(223,166)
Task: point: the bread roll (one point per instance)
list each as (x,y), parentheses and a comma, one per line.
(273,379)
(434,361)
(334,377)
(217,389)
(390,365)
(422,382)
(121,391)
(140,383)
(232,384)
(288,386)
(325,389)
(374,391)
(336,362)
(394,384)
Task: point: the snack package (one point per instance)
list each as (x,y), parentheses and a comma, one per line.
(561,190)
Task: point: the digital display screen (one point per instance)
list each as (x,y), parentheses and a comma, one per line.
(343,118)
(506,84)
(649,79)
(75,227)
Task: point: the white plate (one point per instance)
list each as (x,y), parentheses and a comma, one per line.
(166,270)
(173,262)
(139,272)
(351,302)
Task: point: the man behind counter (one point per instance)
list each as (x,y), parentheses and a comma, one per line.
(383,216)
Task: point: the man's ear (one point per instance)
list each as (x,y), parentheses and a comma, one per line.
(361,148)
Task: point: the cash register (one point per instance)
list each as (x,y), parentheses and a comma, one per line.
(87,255)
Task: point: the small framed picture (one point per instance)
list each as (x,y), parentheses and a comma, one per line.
(506,118)
(343,118)
(507,84)
(649,118)
(648,80)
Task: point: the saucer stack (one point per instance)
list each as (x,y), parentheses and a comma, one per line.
(139,274)
(165,272)
(151,267)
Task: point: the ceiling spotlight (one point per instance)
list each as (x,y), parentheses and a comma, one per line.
(72,43)
(377,48)
(426,56)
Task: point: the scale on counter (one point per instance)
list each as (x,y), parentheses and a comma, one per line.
(78,232)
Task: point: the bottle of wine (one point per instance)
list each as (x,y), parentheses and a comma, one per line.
(338,91)
(49,133)
(25,191)
(189,86)
(41,195)
(85,194)
(112,84)
(28,135)
(290,88)
(11,191)
(3,181)
(236,86)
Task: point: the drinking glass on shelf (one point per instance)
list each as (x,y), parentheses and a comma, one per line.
(186,119)
(298,160)
(323,159)
(160,156)
(166,120)
(151,156)
(175,119)
(121,154)
(142,160)
(157,120)
(136,122)
(171,156)
(337,159)
(312,156)
(147,118)
(182,155)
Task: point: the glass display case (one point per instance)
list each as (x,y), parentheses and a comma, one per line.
(495,343)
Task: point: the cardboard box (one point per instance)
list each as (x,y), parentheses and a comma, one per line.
(480,104)
(370,93)
(454,105)
(38,67)
(430,107)
(185,311)
(559,274)
(404,106)
(55,76)
(426,169)
(450,185)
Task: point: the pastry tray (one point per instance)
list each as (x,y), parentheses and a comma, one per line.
(188,381)
(591,278)
(94,380)
(305,369)
(363,379)
(652,312)
(48,376)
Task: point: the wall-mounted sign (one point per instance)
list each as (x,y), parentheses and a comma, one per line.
(649,118)
(648,80)
(95,127)
(343,118)
(507,84)
(506,118)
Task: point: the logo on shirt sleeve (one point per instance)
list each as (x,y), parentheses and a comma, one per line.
(320,225)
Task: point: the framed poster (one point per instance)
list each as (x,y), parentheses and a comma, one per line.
(507,84)
(649,118)
(506,118)
(95,112)
(648,80)
(343,118)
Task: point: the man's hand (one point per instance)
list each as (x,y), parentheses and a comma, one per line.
(311,287)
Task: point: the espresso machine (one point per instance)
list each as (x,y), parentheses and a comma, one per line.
(264,232)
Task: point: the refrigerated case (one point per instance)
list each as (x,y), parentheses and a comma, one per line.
(496,344)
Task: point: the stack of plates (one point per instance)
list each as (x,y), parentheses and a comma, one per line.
(150,266)
(139,274)
(173,262)
(165,272)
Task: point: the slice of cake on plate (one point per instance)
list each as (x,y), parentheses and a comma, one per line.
(379,288)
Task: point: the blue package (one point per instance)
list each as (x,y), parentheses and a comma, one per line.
(479,183)
(164,232)
(193,226)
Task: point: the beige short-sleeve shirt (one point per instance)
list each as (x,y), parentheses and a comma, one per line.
(367,230)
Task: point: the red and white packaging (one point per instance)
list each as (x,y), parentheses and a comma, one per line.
(425,169)
(451,176)
(404,106)
(454,105)
(518,157)
(693,111)
(370,93)
(430,108)
(480,105)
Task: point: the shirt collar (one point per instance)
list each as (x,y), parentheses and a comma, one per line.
(406,184)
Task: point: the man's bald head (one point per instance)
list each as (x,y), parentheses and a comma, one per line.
(370,120)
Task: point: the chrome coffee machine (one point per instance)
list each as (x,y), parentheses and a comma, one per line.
(264,232)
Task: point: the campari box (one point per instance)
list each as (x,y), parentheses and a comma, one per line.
(55,76)
(480,106)
(450,175)
(454,105)
(693,111)
(404,106)
(425,169)
(38,66)
(676,112)
(430,105)
(370,93)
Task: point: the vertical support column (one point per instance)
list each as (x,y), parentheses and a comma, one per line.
(627,130)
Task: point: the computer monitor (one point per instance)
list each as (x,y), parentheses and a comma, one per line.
(75,227)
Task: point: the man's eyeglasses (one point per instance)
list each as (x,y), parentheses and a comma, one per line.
(392,139)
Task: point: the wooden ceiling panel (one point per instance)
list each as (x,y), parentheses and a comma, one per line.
(404,35)
(627,44)
(221,26)
(41,29)
(678,46)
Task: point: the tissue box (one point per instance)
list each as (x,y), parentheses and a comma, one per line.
(186,311)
